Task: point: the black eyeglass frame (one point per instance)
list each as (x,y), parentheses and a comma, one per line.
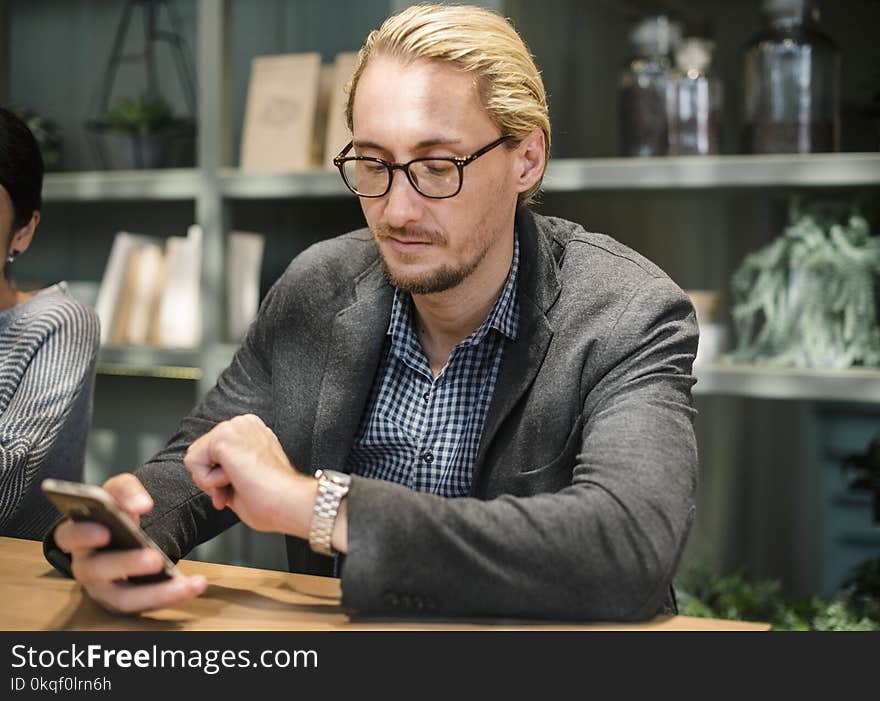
(459,161)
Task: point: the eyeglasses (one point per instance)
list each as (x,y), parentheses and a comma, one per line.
(437,178)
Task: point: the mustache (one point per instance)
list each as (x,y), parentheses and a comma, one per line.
(409,234)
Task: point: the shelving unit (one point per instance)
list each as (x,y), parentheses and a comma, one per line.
(564,175)
(218,194)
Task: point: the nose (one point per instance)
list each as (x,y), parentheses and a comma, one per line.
(403,204)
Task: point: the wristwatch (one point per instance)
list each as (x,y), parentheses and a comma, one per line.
(332,488)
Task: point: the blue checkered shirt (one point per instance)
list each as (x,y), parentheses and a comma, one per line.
(423,431)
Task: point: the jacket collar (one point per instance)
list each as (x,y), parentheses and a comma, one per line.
(357,339)
(538,291)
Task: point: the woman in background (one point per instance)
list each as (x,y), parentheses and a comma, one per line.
(48,345)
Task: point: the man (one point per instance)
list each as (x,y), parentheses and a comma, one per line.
(506,396)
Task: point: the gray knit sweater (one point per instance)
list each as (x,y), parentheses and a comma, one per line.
(48,347)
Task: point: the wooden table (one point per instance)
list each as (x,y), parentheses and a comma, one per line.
(35,597)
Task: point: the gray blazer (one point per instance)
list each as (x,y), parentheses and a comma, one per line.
(584,482)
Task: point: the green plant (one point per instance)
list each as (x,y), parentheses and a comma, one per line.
(809,298)
(856,606)
(46,133)
(142,116)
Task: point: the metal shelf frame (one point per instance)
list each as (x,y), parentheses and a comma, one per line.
(145,361)
(563,175)
(720,172)
(762,382)
(100,186)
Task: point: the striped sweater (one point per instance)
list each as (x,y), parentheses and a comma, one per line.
(48,346)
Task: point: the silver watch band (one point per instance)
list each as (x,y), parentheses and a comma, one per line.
(332,488)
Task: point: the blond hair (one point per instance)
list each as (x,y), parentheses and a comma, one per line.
(475,40)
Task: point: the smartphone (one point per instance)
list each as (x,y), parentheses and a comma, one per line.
(86,502)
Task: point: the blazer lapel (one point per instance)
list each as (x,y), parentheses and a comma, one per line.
(358,336)
(537,289)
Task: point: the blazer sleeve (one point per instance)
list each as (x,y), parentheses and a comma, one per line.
(182,515)
(56,375)
(605,547)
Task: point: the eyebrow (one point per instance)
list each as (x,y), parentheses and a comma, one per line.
(425,143)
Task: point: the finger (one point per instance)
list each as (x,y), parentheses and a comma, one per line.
(129,493)
(106,566)
(201,472)
(198,473)
(134,598)
(198,454)
(220,497)
(213,478)
(86,535)
(208,478)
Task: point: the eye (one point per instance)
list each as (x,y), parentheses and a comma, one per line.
(372,166)
(438,168)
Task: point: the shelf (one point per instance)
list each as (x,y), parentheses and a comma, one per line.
(146,361)
(571,174)
(563,175)
(97,186)
(855,385)
(310,183)
(703,172)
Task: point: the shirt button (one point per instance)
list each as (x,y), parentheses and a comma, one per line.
(428,458)
(426,396)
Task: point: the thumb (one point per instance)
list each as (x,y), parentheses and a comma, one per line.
(129,493)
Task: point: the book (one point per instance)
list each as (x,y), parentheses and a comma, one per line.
(113,282)
(336,133)
(244,261)
(322,106)
(178,321)
(280,112)
(144,279)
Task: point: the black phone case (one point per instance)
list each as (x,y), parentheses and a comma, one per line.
(85,509)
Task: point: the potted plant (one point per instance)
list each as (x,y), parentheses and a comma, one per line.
(46,133)
(151,127)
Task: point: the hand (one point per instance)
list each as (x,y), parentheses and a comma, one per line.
(102,572)
(240,464)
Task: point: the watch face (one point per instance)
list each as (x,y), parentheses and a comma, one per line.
(337,477)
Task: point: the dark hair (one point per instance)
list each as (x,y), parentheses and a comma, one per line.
(21,168)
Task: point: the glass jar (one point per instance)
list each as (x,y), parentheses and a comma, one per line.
(791,83)
(644,129)
(695,95)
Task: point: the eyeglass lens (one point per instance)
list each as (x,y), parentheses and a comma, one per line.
(434,178)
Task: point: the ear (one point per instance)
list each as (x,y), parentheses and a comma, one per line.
(22,238)
(530,160)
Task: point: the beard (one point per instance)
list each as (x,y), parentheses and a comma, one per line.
(440,279)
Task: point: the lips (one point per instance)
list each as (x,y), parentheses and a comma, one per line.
(409,241)
(407,245)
